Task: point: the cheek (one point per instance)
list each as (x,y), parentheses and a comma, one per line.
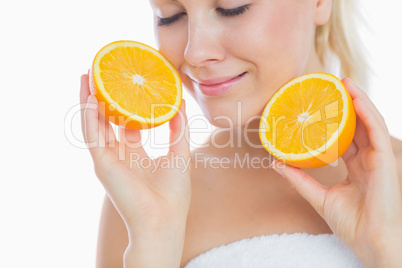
(172,48)
(277,40)
(276,45)
(172,43)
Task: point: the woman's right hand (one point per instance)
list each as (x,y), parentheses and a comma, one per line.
(152,201)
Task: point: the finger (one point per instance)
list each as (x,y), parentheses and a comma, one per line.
(84,91)
(94,136)
(350,152)
(306,186)
(361,137)
(110,137)
(356,92)
(179,133)
(379,137)
(353,162)
(371,117)
(84,94)
(131,139)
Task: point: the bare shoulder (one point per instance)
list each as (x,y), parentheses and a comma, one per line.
(112,237)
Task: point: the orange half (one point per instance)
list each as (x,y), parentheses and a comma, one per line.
(309,122)
(136,86)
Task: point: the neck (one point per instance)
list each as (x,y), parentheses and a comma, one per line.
(240,140)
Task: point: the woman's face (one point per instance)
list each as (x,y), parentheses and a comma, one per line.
(271,41)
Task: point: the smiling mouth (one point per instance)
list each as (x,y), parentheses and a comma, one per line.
(220,88)
(240,75)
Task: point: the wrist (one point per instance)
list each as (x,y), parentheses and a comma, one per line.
(160,249)
(391,257)
(389,254)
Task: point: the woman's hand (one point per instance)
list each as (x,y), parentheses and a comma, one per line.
(365,209)
(152,201)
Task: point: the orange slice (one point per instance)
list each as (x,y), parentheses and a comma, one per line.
(136,86)
(309,122)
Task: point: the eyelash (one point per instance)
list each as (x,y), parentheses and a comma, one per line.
(224,12)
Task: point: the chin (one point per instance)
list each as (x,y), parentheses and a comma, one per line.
(233,115)
(232,110)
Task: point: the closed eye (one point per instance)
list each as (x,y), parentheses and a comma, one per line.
(224,12)
(170,20)
(234,11)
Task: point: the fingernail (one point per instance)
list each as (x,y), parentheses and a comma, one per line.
(90,98)
(92,101)
(353,82)
(277,168)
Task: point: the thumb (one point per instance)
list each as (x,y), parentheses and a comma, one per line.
(310,189)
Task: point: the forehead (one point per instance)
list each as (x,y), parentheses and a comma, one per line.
(162,1)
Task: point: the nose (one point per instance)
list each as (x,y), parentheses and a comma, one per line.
(203,47)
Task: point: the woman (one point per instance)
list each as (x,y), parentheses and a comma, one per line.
(148,220)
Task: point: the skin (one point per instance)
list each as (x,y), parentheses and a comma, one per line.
(177,214)
(204,44)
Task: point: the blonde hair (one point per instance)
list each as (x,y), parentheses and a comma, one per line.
(339,37)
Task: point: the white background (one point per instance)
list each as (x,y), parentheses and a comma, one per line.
(49,196)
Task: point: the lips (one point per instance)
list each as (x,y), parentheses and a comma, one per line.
(220,88)
(240,75)
(217,81)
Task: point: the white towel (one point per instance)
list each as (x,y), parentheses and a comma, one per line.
(286,250)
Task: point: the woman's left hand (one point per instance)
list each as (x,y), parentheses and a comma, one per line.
(365,209)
